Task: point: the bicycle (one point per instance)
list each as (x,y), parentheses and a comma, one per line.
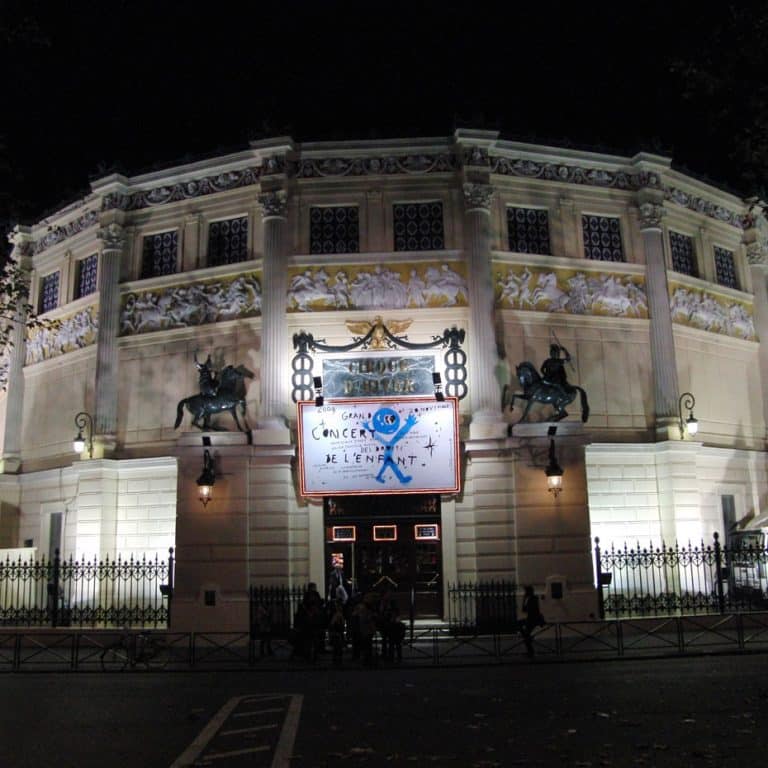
(132,650)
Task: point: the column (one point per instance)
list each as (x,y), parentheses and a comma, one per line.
(274,324)
(665,387)
(756,241)
(486,398)
(15,354)
(107,357)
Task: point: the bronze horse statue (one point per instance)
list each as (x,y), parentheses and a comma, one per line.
(217,394)
(537,390)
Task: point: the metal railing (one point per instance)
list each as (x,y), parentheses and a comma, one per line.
(61,592)
(482,607)
(682,580)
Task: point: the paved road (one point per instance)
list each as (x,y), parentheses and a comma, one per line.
(702,711)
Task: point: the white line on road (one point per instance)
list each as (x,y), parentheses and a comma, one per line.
(235,753)
(284,749)
(258,712)
(248,730)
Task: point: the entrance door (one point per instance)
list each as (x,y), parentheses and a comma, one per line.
(389,544)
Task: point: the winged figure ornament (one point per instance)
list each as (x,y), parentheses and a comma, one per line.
(378,337)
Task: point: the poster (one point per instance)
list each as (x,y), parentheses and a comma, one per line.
(378,446)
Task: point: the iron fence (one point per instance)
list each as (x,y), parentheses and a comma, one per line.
(58,592)
(682,580)
(481,607)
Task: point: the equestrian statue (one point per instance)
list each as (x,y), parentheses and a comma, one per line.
(550,387)
(218,393)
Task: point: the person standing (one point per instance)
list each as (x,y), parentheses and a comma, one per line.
(533,618)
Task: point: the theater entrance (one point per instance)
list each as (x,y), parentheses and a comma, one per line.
(388,544)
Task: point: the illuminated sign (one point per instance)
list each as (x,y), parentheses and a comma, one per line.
(343,533)
(378,446)
(385,533)
(337,560)
(430,532)
(378,376)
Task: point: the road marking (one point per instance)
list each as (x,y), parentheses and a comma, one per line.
(235,753)
(283,750)
(248,730)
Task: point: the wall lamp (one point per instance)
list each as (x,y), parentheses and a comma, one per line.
(437,382)
(83,421)
(689,426)
(318,384)
(207,479)
(553,471)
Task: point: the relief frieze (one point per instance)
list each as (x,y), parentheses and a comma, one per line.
(393,286)
(570,291)
(710,312)
(65,334)
(71,228)
(182,306)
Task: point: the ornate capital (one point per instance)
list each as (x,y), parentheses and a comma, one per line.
(273,204)
(756,237)
(113,236)
(650,215)
(757,253)
(477,196)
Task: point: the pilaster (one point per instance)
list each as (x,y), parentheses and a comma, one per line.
(665,385)
(191,243)
(107,358)
(15,354)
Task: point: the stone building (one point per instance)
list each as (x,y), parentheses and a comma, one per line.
(654,283)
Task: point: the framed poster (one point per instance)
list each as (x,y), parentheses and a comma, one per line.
(379,446)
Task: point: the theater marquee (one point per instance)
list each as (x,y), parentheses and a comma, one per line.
(379,446)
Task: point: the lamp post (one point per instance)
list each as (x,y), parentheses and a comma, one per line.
(690,425)
(207,479)
(83,421)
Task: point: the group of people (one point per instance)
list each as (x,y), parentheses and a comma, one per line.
(347,619)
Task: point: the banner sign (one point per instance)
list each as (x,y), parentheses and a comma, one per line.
(379,446)
(378,376)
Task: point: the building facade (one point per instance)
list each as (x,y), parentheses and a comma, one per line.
(654,283)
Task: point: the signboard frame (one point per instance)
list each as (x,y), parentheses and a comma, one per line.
(329,466)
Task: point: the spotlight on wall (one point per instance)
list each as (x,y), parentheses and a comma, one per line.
(553,471)
(318,384)
(83,421)
(437,382)
(207,479)
(689,426)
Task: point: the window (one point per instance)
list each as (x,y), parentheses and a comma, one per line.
(528,230)
(49,292)
(725,268)
(160,254)
(228,241)
(418,226)
(85,279)
(602,238)
(334,229)
(683,254)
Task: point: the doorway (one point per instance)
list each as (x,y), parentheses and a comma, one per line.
(388,544)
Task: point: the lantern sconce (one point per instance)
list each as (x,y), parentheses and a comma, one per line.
(553,471)
(437,382)
(83,421)
(689,426)
(207,479)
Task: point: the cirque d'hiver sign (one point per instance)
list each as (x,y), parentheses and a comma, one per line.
(379,446)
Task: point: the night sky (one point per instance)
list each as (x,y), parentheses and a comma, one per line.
(93,88)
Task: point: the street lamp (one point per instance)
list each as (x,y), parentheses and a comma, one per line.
(206,480)
(691,424)
(83,421)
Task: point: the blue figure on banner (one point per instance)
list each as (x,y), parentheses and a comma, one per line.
(387,422)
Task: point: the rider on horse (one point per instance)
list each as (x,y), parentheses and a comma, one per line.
(553,369)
